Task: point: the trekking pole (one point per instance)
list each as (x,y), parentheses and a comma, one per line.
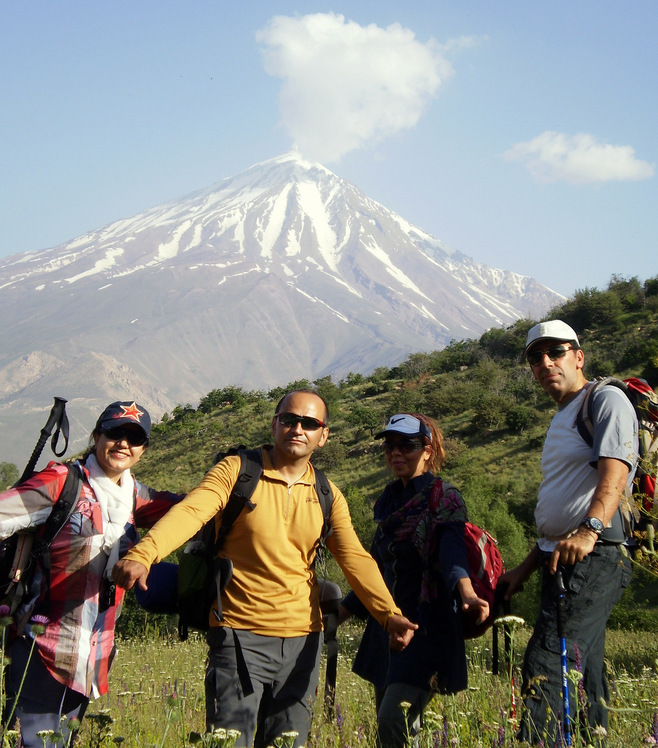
(498,603)
(561,600)
(59,419)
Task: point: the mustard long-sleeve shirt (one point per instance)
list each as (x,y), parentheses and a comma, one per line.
(272,547)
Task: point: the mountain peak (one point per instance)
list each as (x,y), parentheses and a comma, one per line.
(283,271)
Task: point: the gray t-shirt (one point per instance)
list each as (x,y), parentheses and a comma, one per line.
(569,464)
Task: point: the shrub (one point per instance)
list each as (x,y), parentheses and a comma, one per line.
(651,287)
(589,308)
(458,355)
(329,456)
(490,410)
(450,396)
(365,418)
(361,512)
(520,417)
(8,475)
(630,292)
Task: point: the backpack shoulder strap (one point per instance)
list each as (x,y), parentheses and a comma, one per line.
(251,469)
(585,417)
(326,498)
(62,510)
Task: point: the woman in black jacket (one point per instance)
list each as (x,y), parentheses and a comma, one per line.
(419,546)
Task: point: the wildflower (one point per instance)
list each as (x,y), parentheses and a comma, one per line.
(599,732)
(102,718)
(73,724)
(38,624)
(649,740)
(5,617)
(512,621)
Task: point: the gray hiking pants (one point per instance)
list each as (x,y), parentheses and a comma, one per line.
(283,673)
(397,728)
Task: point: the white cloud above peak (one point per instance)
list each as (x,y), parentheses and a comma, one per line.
(578,159)
(346,86)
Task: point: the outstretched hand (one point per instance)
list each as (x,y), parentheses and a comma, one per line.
(128,573)
(400,631)
(513,581)
(475,605)
(515,578)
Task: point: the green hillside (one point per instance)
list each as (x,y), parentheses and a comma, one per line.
(482,394)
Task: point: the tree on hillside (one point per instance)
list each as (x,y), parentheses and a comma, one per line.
(8,475)
(590,308)
(366,418)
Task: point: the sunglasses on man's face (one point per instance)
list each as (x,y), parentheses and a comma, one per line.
(406,446)
(134,437)
(290,420)
(554,352)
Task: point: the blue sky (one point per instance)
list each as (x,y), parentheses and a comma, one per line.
(520,133)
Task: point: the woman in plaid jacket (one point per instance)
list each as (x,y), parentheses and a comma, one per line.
(73,604)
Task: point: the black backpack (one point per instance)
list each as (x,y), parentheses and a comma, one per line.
(201,574)
(21,552)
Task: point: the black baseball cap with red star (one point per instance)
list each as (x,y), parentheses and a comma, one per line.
(122,413)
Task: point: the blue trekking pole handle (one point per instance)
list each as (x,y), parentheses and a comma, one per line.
(561,593)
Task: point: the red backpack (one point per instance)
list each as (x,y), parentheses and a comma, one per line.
(485,565)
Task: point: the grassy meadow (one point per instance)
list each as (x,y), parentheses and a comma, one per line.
(494,418)
(157,698)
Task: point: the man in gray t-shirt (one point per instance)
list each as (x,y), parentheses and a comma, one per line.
(576,515)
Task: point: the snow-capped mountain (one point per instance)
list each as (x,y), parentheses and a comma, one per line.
(282,272)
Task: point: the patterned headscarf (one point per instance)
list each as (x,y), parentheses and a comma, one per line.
(417,520)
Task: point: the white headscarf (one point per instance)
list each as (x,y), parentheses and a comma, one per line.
(116,503)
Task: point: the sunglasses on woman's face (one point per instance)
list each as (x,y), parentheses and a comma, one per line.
(134,437)
(290,420)
(406,446)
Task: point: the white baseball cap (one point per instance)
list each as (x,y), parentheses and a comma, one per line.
(407,425)
(556,329)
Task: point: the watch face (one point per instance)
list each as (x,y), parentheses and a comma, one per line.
(594,524)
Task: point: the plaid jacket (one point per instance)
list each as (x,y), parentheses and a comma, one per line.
(78,644)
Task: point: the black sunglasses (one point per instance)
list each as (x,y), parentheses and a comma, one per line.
(134,436)
(406,446)
(290,420)
(554,352)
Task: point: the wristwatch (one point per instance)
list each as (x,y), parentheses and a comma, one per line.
(594,524)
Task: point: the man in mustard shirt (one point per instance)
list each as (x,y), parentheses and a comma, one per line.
(264,658)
